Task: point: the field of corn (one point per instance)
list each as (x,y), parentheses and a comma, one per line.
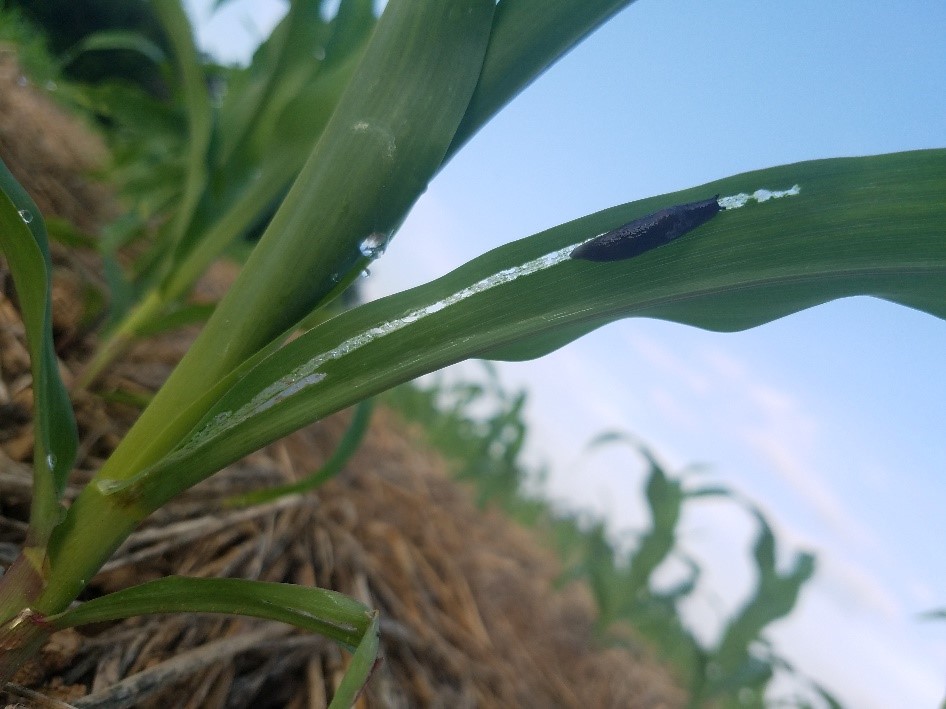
(186,302)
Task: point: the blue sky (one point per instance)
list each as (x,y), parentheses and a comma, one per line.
(830,419)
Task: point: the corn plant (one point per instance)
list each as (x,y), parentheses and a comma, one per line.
(480,427)
(430,74)
(737,669)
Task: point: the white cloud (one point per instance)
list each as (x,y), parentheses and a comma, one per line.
(664,360)
(778,444)
(854,586)
(778,428)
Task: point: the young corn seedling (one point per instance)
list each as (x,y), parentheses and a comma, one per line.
(430,74)
(739,668)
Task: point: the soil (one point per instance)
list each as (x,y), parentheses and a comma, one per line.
(471,612)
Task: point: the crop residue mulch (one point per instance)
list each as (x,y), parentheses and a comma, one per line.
(470,613)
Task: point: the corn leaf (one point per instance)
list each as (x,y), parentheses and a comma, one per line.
(24,243)
(199,112)
(775,596)
(528,37)
(383,143)
(868,226)
(346,448)
(328,613)
(108,40)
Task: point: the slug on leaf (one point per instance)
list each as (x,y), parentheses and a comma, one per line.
(649,232)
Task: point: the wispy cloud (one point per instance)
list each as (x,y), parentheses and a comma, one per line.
(851,583)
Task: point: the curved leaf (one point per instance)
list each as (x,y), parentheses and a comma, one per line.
(115,39)
(347,447)
(873,226)
(24,243)
(328,613)
(199,111)
(528,37)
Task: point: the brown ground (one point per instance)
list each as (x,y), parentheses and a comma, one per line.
(470,616)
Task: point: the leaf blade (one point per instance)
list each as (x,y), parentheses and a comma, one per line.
(528,37)
(769,260)
(319,610)
(26,248)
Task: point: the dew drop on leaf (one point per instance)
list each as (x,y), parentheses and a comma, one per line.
(373,245)
(26,216)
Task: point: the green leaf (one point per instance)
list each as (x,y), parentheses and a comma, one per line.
(872,226)
(281,67)
(178,316)
(528,37)
(199,112)
(115,39)
(297,129)
(383,143)
(385,140)
(328,613)
(26,247)
(774,598)
(346,449)
(362,664)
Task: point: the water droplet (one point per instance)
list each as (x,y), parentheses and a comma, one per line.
(319,54)
(50,85)
(373,245)
(50,461)
(366,273)
(26,215)
(22,81)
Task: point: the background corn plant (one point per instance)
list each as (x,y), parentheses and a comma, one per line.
(429,75)
(479,426)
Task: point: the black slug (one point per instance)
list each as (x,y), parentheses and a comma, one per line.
(646,233)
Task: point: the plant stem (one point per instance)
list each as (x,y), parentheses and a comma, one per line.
(21,583)
(95,527)
(121,338)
